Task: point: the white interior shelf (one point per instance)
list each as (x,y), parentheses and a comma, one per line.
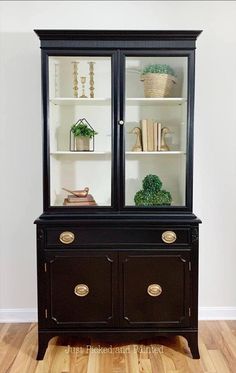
(156,153)
(78,153)
(108,153)
(167,101)
(80,101)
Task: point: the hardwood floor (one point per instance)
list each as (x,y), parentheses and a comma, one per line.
(217,344)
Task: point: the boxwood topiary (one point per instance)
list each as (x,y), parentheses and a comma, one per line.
(151,194)
(152,183)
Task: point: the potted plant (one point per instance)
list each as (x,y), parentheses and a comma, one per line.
(158,80)
(82,132)
(152,195)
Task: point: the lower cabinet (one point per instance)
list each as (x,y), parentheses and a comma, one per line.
(120,292)
(126,288)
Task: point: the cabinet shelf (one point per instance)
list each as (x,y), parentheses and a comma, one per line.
(158,101)
(80,101)
(73,153)
(156,153)
(130,101)
(108,153)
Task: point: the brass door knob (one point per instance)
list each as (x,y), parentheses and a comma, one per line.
(169,237)
(154,290)
(67,237)
(81,290)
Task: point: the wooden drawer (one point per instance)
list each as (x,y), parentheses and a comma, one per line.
(160,296)
(116,236)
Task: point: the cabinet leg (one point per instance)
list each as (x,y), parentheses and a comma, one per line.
(193,344)
(43,340)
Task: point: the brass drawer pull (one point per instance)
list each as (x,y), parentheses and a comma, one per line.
(67,237)
(81,290)
(154,290)
(169,236)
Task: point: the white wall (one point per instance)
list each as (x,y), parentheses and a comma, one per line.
(215,133)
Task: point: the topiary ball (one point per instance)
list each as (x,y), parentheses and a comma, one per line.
(152,183)
(139,198)
(162,198)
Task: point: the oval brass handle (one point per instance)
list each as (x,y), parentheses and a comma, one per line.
(67,237)
(169,237)
(154,290)
(81,290)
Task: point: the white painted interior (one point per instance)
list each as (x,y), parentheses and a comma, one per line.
(79,170)
(215,133)
(170,168)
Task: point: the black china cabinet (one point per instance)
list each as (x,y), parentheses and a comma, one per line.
(117,243)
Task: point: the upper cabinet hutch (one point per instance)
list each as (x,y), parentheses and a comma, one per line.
(117,243)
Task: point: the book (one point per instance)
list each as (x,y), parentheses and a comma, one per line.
(144,134)
(159,137)
(72,198)
(150,146)
(88,203)
(155,136)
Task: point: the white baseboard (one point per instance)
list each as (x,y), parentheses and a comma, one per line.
(17,315)
(217,313)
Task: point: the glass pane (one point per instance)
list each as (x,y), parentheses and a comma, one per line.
(155,131)
(80,130)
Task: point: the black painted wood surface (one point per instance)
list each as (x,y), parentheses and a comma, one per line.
(119,250)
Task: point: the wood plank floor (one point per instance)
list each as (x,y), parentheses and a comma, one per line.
(217,344)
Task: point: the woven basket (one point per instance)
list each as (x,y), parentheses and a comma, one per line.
(158,85)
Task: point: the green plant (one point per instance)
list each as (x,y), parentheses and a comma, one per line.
(159,69)
(152,183)
(83,129)
(152,194)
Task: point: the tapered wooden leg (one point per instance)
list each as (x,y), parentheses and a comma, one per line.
(43,340)
(193,344)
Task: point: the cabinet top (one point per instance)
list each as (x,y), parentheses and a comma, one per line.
(118,34)
(121,39)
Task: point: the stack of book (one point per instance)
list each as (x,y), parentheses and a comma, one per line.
(72,200)
(151,135)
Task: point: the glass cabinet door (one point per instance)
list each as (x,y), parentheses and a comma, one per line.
(80,130)
(155,130)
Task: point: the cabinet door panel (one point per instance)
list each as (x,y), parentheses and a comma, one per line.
(154,108)
(80,124)
(155,289)
(82,290)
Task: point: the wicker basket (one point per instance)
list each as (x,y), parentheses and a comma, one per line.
(158,85)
